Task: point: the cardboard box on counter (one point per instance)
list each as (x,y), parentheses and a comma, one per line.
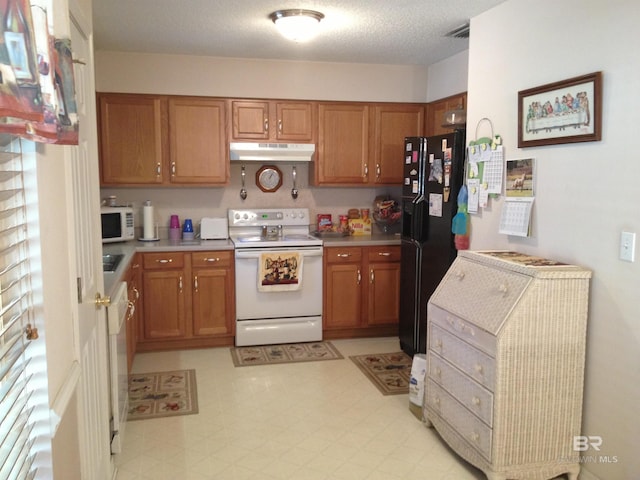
(360,226)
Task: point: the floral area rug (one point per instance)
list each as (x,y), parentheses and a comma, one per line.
(389,372)
(286,353)
(162,394)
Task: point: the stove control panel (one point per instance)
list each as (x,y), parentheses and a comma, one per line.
(268,216)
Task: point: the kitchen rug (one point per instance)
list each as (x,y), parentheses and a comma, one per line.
(286,353)
(389,372)
(162,394)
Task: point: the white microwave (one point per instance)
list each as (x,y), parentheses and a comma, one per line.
(117,224)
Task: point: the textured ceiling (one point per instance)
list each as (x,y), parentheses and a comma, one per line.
(406,32)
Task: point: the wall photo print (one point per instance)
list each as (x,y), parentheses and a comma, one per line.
(568,111)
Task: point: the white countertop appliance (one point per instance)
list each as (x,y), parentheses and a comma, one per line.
(278,276)
(214,228)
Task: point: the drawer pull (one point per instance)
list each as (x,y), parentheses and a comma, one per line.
(438,343)
(460,275)
(164,260)
(503,288)
(468,329)
(384,254)
(478,368)
(475,437)
(436,400)
(212,259)
(343,255)
(475,401)
(438,372)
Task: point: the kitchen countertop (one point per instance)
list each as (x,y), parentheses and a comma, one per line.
(128,249)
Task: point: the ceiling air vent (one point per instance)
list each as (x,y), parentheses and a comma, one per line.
(461,32)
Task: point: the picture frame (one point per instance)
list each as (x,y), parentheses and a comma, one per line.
(568,111)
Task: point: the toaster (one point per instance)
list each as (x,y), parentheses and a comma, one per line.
(214,228)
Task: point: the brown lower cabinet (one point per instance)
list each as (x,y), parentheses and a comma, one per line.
(361,291)
(188,300)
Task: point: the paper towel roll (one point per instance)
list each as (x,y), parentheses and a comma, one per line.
(148,221)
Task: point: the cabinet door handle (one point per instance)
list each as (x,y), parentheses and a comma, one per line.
(158,170)
(132,310)
(366,170)
(343,255)
(173,168)
(135,290)
(280,125)
(378,170)
(266,125)
(212,259)
(372,276)
(359,277)
(180,283)
(195,283)
(384,254)
(164,260)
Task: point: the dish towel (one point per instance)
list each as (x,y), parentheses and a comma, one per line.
(280,271)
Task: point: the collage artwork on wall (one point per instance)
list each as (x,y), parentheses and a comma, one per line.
(37,94)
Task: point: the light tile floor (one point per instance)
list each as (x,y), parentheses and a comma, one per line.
(303,421)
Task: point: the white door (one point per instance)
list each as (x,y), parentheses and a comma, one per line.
(93,386)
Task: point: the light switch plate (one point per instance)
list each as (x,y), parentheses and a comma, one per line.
(628,246)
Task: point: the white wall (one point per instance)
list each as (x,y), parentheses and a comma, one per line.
(586,193)
(448,77)
(229,77)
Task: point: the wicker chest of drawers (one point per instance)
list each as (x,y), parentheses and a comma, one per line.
(505,351)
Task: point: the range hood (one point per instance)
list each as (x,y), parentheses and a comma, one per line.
(273,152)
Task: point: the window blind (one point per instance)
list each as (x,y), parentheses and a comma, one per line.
(17,435)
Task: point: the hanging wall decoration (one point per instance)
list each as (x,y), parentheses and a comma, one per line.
(568,111)
(37,97)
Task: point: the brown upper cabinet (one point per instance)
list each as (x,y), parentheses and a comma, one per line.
(437,109)
(363,144)
(273,121)
(131,140)
(162,140)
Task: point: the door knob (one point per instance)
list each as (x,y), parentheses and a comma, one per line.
(101,301)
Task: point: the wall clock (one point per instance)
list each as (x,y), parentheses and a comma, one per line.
(269,178)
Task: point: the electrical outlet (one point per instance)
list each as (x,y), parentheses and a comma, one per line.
(628,246)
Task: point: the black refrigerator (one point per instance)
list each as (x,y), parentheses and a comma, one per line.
(433,175)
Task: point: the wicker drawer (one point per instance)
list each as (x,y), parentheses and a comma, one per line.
(480,294)
(467,331)
(471,361)
(159,260)
(343,254)
(212,259)
(468,426)
(468,392)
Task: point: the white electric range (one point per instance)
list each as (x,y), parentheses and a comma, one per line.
(278,267)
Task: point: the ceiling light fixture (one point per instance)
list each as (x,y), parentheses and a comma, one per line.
(297,24)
